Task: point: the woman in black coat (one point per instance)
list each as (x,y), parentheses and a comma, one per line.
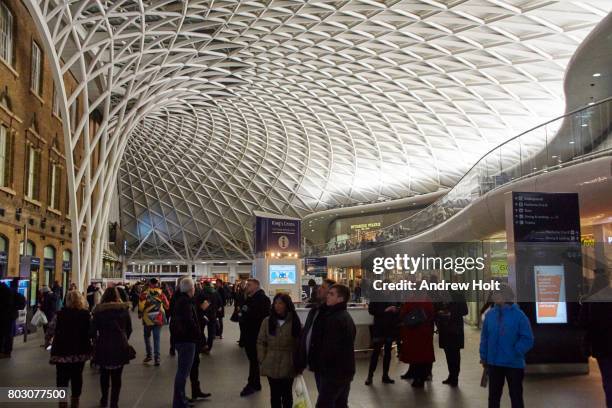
(71,346)
(449,320)
(384,332)
(112,327)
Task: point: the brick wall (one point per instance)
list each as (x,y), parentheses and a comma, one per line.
(31,119)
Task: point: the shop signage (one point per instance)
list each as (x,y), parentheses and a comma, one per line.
(587,241)
(545,270)
(545,217)
(49,263)
(3,257)
(366,226)
(26,264)
(316,269)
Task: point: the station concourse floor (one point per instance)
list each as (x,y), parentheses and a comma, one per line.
(225,370)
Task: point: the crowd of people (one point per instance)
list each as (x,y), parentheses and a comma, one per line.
(96,326)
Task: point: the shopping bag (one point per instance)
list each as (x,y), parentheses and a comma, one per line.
(301,398)
(39,318)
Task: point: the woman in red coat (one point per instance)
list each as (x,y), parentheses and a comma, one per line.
(417,336)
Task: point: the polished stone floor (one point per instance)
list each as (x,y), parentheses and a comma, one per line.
(224,373)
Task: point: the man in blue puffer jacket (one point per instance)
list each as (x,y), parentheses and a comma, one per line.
(505,339)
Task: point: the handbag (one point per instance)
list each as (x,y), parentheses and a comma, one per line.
(235,316)
(131,352)
(415,317)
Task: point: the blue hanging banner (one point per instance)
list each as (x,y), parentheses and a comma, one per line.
(277,234)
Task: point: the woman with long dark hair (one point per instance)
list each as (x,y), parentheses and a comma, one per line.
(276,344)
(71,346)
(112,327)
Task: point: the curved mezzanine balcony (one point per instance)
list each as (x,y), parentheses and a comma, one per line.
(573,138)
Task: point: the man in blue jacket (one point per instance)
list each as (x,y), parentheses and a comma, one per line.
(505,339)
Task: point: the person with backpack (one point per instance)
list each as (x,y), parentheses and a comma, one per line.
(416,334)
(152,310)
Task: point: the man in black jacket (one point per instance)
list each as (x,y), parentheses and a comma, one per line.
(222,295)
(186,334)
(449,320)
(321,296)
(6,318)
(209,295)
(19,303)
(253,312)
(332,349)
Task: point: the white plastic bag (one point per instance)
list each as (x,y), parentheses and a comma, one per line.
(301,398)
(39,318)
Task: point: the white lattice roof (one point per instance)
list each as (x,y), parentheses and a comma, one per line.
(218,108)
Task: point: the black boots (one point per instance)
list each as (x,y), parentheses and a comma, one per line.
(387,380)
(196,392)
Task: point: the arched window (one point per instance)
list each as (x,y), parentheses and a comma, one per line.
(49,252)
(31,248)
(4,243)
(67,256)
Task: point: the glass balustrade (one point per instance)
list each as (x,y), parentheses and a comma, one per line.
(580,135)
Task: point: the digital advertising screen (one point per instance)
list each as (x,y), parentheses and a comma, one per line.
(283,274)
(22,288)
(550,294)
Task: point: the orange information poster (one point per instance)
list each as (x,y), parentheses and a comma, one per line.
(550,294)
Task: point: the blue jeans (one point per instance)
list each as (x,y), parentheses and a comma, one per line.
(186,353)
(147,338)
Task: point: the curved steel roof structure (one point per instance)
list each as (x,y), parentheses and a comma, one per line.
(214,108)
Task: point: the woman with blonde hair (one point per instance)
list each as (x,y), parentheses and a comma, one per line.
(71,346)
